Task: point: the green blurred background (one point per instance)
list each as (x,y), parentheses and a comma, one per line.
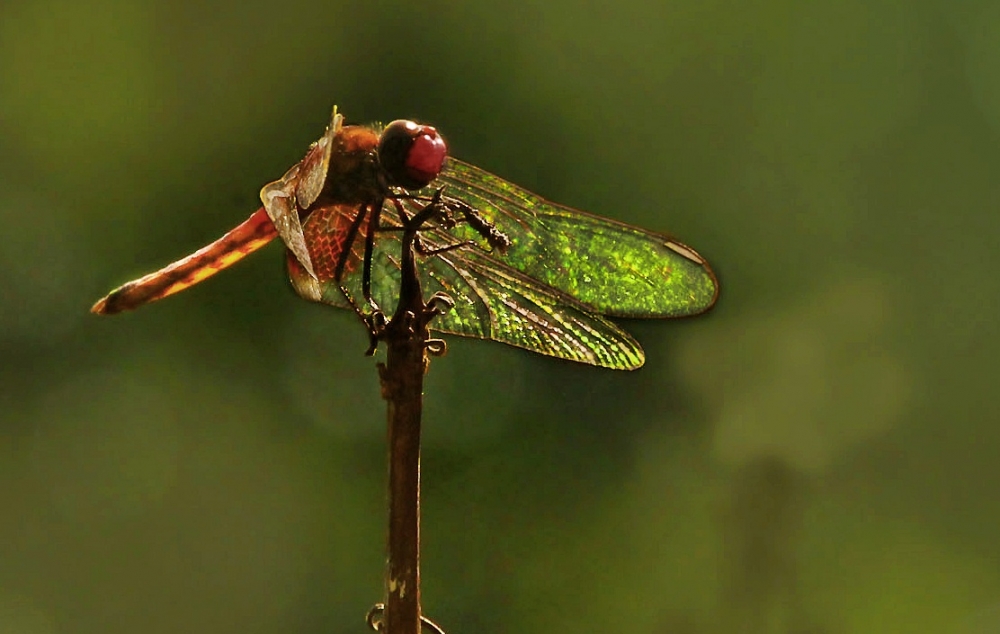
(819,455)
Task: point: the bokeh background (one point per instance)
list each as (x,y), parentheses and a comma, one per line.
(818,455)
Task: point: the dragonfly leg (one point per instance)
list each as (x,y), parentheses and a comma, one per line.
(439,303)
(366,271)
(368,319)
(494,237)
(403,216)
(446,221)
(433,206)
(374,620)
(418,245)
(412,312)
(374,320)
(376,323)
(436,347)
(487,230)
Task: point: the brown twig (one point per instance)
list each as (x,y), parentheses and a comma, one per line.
(408,342)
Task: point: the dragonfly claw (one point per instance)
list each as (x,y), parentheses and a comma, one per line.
(376,323)
(436,347)
(439,303)
(375,621)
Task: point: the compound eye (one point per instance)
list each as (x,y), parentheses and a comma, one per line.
(411,154)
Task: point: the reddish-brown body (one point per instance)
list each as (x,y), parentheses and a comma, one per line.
(324,192)
(352,180)
(353,174)
(561,275)
(250,235)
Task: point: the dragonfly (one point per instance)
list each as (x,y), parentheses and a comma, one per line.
(517,268)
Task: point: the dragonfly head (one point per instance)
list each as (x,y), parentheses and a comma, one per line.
(411,154)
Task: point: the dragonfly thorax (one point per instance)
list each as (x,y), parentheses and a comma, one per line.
(354,174)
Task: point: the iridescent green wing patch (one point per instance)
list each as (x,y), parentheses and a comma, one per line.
(492,301)
(617,269)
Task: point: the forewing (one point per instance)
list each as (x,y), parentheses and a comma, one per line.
(280,202)
(314,167)
(614,268)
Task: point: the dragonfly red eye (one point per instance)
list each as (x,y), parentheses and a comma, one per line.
(411,154)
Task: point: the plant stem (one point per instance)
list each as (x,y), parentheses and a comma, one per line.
(402,383)
(402,377)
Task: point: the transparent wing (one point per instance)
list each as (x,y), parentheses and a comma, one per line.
(492,300)
(563,272)
(298,189)
(316,164)
(279,201)
(614,268)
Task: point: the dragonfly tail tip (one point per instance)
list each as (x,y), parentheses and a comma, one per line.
(100,308)
(106,306)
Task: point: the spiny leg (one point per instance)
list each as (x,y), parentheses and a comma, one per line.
(494,237)
(418,243)
(366,271)
(352,234)
(449,206)
(376,321)
(345,254)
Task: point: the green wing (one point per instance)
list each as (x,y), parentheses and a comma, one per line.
(616,269)
(492,301)
(563,272)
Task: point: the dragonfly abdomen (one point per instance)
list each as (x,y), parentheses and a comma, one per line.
(252,234)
